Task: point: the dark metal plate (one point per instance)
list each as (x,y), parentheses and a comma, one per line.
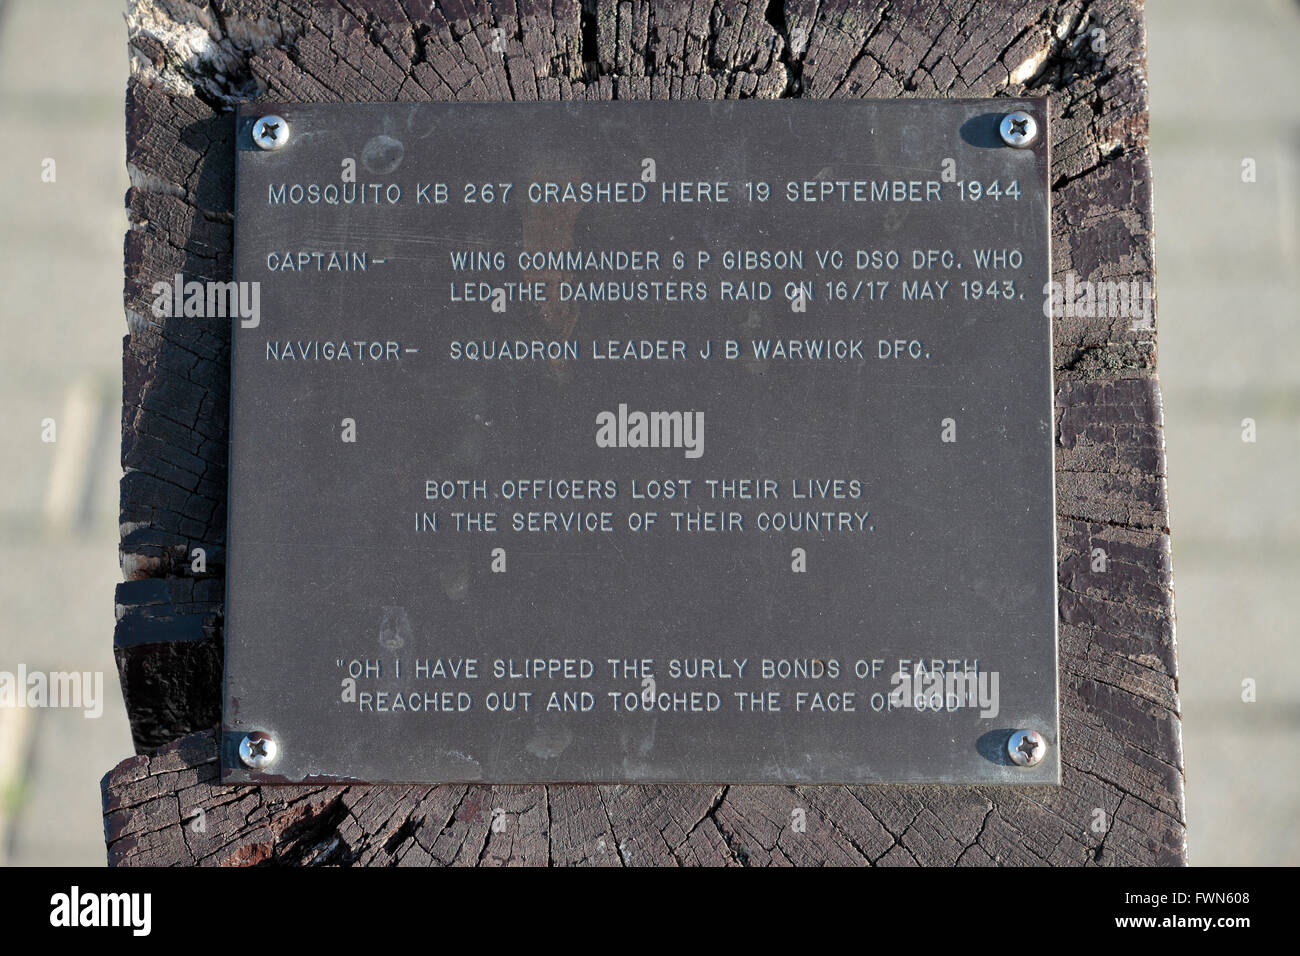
(891,425)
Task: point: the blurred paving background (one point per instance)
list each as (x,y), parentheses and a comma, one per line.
(1223,78)
(62,83)
(1223,82)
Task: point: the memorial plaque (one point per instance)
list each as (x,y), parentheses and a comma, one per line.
(642,441)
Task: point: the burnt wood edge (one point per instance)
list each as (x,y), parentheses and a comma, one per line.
(1119,721)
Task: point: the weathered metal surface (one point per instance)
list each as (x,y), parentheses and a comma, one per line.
(841,306)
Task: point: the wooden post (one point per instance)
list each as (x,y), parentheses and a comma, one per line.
(1121,799)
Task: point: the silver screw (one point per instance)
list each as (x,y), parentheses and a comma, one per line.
(271,132)
(257,751)
(1018,129)
(1027,748)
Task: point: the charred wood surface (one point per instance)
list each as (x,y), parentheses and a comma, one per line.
(1121,800)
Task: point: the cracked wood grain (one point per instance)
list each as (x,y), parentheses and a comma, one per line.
(1121,798)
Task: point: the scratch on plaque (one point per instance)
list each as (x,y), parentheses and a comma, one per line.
(550,743)
(395,628)
(382,155)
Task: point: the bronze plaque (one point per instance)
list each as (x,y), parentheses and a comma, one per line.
(653,441)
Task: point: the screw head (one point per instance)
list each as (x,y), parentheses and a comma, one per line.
(1027,748)
(1018,129)
(271,132)
(257,751)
